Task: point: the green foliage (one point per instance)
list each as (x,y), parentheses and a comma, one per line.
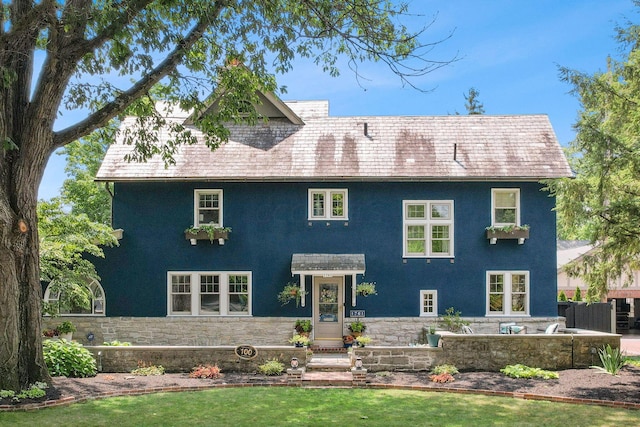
(68,359)
(357,326)
(473,105)
(291,292)
(363,340)
(303,326)
(205,371)
(116,343)
(35,391)
(632,361)
(577,296)
(66,327)
(366,288)
(612,359)
(300,340)
(444,369)
(562,296)
(452,320)
(601,204)
(522,371)
(271,367)
(147,369)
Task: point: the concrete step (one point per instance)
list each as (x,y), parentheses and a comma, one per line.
(325,379)
(329,363)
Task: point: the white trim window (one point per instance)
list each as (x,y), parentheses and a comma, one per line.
(207,207)
(428,303)
(505,206)
(328,204)
(65,304)
(508,293)
(427,228)
(209,293)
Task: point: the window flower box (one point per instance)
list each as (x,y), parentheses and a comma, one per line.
(207,232)
(519,233)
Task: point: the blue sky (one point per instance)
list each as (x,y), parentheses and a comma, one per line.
(509,50)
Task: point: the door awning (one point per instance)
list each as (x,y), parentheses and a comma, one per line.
(327,264)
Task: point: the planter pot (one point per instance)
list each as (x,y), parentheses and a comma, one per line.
(219,235)
(67,336)
(520,235)
(433,340)
(347,345)
(299,345)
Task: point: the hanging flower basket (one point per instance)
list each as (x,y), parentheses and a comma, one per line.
(366,288)
(291,291)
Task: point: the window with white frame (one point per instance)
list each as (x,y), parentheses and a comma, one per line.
(429,303)
(508,292)
(209,293)
(428,228)
(91,302)
(208,207)
(505,206)
(328,204)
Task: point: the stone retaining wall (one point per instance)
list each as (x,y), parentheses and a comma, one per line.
(492,352)
(265,331)
(184,358)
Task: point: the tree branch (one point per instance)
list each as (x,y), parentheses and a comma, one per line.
(122,101)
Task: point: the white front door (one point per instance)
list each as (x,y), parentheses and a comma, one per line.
(328,307)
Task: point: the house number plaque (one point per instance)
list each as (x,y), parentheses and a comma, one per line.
(357,313)
(246,352)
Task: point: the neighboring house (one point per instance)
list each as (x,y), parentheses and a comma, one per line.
(329,202)
(627,297)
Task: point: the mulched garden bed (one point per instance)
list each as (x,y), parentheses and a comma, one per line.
(573,383)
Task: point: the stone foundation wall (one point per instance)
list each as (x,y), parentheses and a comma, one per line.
(184,358)
(265,331)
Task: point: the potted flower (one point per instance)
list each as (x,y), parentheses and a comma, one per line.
(362,340)
(366,288)
(291,291)
(66,330)
(207,232)
(432,337)
(300,341)
(357,328)
(303,327)
(347,341)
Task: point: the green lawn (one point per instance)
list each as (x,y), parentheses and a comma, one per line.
(266,406)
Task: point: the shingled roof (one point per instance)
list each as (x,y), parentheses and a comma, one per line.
(474,147)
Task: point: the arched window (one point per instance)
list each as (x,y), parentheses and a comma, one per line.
(97,306)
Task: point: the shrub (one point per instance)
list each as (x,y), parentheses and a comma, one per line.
(611,358)
(562,296)
(271,367)
(205,371)
(36,391)
(452,320)
(68,359)
(117,343)
(145,370)
(442,378)
(66,327)
(522,371)
(444,369)
(577,296)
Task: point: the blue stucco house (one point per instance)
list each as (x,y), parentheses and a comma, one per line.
(329,202)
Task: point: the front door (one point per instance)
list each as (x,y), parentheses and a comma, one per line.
(328,310)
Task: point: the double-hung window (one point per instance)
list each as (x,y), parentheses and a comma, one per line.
(508,292)
(328,204)
(428,228)
(209,293)
(208,208)
(505,206)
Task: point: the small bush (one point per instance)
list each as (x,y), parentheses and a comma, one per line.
(452,320)
(442,378)
(36,391)
(68,359)
(116,343)
(611,358)
(145,370)
(271,367)
(7,394)
(522,371)
(444,369)
(205,371)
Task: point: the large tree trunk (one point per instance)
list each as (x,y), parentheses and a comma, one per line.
(21,356)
